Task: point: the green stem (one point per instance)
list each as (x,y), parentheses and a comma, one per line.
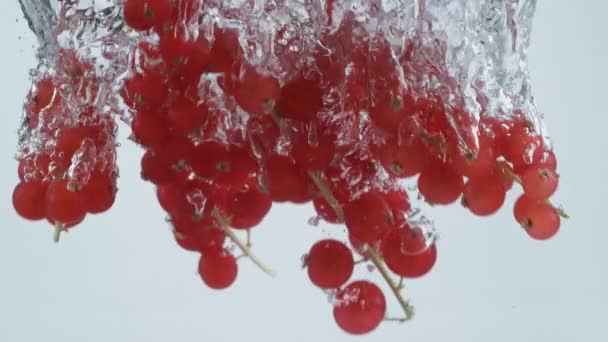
(225,227)
(408,309)
(57,232)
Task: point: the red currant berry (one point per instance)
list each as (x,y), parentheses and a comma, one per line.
(218,270)
(484,195)
(99,193)
(368,217)
(247,206)
(29,200)
(64,205)
(330,264)
(301,99)
(150,128)
(402,253)
(539,183)
(439,183)
(142,15)
(360,307)
(540,220)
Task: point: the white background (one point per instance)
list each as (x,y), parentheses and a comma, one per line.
(120,277)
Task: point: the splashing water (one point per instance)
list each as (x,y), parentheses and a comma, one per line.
(468,58)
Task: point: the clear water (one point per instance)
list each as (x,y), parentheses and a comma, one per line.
(472,53)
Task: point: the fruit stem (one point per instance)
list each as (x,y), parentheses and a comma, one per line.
(408,309)
(327,194)
(57,232)
(372,254)
(225,227)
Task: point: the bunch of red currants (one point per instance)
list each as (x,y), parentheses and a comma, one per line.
(226,138)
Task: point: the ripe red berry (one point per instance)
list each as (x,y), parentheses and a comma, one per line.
(312,149)
(360,307)
(186,116)
(404,160)
(540,220)
(99,193)
(200,235)
(546,158)
(539,183)
(402,252)
(150,128)
(147,90)
(399,203)
(186,52)
(285,181)
(225,51)
(389,111)
(69,140)
(521,145)
(226,164)
(247,205)
(254,92)
(190,198)
(142,15)
(330,264)
(368,217)
(156,168)
(439,183)
(29,200)
(484,195)
(64,205)
(521,207)
(301,99)
(470,165)
(218,270)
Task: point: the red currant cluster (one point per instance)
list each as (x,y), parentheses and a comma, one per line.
(67,167)
(226,137)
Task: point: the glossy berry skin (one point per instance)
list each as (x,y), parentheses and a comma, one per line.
(156,168)
(481,164)
(247,206)
(218,270)
(301,99)
(521,145)
(63,205)
(29,200)
(150,128)
(285,181)
(395,248)
(200,235)
(402,161)
(142,15)
(330,264)
(368,217)
(360,307)
(540,220)
(99,193)
(186,116)
(69,140)
(254,92)
(226,164)
(312,149)
(483,196)
(147,90)
(439,183)
(539,183)
(388,112)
